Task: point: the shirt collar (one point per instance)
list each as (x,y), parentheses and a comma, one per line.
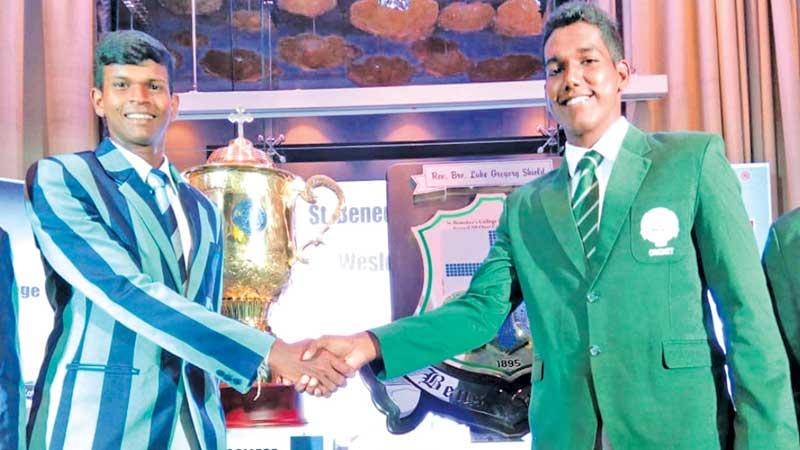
(608,145)
(142,167)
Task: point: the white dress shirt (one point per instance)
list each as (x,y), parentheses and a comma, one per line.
(608,145)
(142,168)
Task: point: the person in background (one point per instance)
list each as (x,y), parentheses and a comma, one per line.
(12,391)
(133,259)
(781,260)
(615,253)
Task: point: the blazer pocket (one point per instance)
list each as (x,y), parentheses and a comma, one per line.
(660,231)
(537,370)
(682,354)
(113,369)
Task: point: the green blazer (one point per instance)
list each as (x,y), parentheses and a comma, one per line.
(781,260)
(630,341)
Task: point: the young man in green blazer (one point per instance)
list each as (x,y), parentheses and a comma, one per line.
(781,257)
(614,253)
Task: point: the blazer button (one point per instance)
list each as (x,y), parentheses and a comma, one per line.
(594,350)
(592,297)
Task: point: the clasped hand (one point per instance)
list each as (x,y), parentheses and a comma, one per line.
(320,366)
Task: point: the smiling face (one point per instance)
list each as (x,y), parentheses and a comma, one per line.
(583,84)
(137,105)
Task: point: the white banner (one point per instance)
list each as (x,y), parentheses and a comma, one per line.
(757,196)
(35,313)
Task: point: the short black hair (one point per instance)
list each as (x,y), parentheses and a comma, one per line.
(581,11)
(130,47)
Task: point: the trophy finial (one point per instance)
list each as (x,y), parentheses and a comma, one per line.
(239,150)
(240,117)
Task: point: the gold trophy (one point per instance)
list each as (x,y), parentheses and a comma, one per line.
(257,205)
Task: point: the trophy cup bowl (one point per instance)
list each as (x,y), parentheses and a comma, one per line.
(256,202)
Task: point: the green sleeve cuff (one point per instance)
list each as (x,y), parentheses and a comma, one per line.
(385,366)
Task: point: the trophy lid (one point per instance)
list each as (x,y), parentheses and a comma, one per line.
(240,150)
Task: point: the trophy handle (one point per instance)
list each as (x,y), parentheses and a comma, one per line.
(308,195)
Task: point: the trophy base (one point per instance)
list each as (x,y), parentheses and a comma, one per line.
(277,406)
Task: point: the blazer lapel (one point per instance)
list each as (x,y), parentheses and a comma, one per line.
(556,204)
(140,197)
(200,256)
(629,171)
(190,208)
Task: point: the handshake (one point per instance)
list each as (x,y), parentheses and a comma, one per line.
(320,366)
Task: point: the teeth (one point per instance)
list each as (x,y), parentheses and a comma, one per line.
(138,116)
(577,100)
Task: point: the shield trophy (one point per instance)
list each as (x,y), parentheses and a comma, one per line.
(256,201)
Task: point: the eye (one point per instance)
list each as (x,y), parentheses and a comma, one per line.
(155,87)
(553,70)
(590,61)
(119,84)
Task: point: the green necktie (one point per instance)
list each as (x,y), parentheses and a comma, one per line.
(586,201)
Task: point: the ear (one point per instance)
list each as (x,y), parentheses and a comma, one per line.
(96,96)
(624,73)
(175,102)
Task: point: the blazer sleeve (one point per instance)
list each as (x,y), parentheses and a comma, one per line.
(460,325)
(785,291)
(12,391)
(730,262)
(79,245)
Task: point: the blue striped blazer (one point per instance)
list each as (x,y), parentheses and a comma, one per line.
(12,392)
(132,341)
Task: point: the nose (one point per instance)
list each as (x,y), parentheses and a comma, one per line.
(139,93)
(573,74)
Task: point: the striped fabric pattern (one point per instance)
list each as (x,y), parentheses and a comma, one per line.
(586,202)
(12,392)
(131,343)
(159,182)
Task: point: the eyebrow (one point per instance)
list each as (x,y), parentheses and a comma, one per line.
(149,80)
(582,50)
(588,49)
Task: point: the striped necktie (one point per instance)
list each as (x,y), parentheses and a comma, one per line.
(586,201)
(158,180)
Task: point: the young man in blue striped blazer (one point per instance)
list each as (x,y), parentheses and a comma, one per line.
(138,345)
